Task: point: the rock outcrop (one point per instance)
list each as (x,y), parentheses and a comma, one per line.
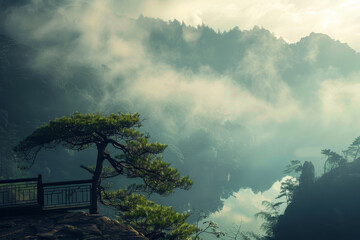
(69,226)
(327,209)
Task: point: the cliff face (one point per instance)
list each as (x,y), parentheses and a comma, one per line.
(328,209)
(69,226)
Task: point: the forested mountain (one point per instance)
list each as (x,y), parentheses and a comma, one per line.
(327,209)
(190,47)
(224,142)
(232,52)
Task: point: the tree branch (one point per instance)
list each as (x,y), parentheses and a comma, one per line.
(87,169)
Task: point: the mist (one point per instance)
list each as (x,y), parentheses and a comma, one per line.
(234,106)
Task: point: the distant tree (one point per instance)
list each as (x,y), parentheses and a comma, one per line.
(209,227)
(270,216)
(295,166)
(353,150)
(288,189)
(292,188)
(333,160)
(134,156)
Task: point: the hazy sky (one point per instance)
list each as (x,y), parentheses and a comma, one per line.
(233,130)
(289,19)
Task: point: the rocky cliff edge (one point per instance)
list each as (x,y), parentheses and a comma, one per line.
(69,226)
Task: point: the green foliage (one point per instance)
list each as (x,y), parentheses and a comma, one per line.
(288,189)
(135,158)
(208,227)
(333,160)
(79,131)
(328,209)
(353,150)
(157,175)
(293,188)
(290,185)
(152,220)
(294,166)
(271,216)
(138,158)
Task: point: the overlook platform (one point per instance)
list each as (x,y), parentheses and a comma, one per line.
(31,195)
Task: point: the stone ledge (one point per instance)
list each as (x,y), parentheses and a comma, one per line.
(69,226)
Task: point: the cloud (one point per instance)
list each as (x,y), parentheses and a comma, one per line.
(340,100)
(190,34)
(194,19)
(210,95)
(81,31)
(289,19)
(246,122)
(241,207)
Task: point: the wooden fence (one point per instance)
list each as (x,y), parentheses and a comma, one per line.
(31,194)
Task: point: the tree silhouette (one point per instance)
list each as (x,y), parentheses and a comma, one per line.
(271,216)
(288,189)
(333,160)
(135,157)
(353,150)
(294,166)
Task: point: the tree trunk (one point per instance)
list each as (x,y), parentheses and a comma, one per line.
(97,177)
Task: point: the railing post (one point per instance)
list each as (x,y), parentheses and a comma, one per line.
(40,192)
(94,198)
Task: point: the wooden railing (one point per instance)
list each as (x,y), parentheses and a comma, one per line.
(31,194)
